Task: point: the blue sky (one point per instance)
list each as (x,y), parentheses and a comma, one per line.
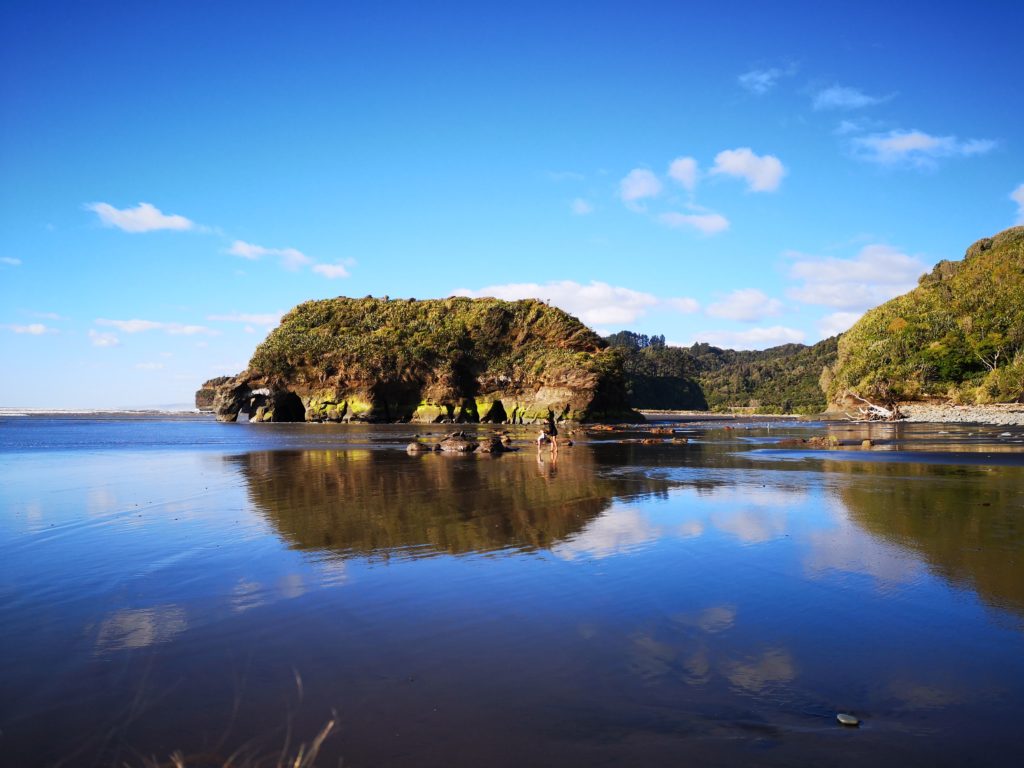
(176,175)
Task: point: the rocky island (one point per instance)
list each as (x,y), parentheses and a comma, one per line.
(429,361)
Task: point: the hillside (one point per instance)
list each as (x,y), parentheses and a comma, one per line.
(399,360)
(781,379)
(958,335)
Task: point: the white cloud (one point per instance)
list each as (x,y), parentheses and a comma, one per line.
(331,271)
(753,338)
(46,315)
(268,319)
(746,304)
(291,258)
(99,339)
(33,329)
(763,173)
(142,218)
(876,274)
(639,184)
(843,97)
(581,207)
(1018,197)
(760,81)
(138,326)
(705,223)
(916,148)
(596,303)
(684,305)
(837,322)
(9,261)
(684,171)
(150,366)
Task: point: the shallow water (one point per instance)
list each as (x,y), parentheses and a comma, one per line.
(185,585)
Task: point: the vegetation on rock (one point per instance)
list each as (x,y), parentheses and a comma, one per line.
(958,335)
(457,358)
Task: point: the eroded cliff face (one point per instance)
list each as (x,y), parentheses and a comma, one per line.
(206,394)
(458,359)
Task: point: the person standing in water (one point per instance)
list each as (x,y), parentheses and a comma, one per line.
(549,434)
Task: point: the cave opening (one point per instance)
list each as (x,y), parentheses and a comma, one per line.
(289,407)
(495,414)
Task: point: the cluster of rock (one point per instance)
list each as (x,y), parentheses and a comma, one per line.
(460,442)
(1002,414)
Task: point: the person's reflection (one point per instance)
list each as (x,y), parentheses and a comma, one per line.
(549,469)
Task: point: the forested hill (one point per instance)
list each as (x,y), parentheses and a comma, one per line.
(959,335)
(781,379)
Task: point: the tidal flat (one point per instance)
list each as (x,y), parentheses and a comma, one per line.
(179,585)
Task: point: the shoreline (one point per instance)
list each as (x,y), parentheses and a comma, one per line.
(1001,414)
(1008,414)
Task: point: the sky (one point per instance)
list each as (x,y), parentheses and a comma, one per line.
(176,175)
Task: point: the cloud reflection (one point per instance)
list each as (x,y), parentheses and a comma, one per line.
(140,628)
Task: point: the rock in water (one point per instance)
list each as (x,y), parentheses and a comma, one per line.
(492,444)
(457,442)
(846,719)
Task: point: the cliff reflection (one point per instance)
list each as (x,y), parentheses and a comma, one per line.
(382,504)
(967,524)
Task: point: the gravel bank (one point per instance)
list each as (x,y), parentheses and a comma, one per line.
(1009,413)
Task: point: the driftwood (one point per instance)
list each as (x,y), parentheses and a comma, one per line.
(873,412)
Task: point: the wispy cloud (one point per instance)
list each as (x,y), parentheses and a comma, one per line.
(10,261)
(265,319)
(844,97)
(763,173)
(753,338)
(684,171)
(150,366)
(140,326)
(747,305)
(876,274)
(143,218)
(581,207)
(1018,197)
(100,339)
(291,258)
(760,81)
(596,303)
(32,329)
(686,306)
(837,322)
(916,148)
(708,223)
(639,184)
(331,271)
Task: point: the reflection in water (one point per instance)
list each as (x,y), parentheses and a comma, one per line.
(771,667)
(140,628)
(964,522)
(700,603)
(365,503)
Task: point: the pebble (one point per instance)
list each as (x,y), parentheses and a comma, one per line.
(1003,414)
(846,719)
